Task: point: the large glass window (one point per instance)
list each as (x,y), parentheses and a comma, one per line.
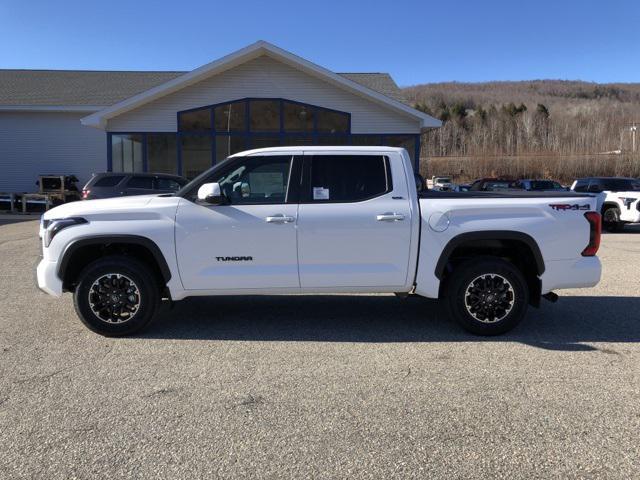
(196,154)
(256,180)
(332,122)
(297,140)
(230,117)
(405,141)
(332,140)
(195,120)
(264,115)
(366,140)
(264,141)
(161,153)
(127,153)
(298,117)
(348,178)
(228,145)
(271,122)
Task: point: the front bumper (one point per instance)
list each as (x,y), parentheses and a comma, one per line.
(582,272)
(48,281)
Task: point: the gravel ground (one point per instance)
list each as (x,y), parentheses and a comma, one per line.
(320,386)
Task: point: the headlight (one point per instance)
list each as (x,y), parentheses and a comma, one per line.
(60,224)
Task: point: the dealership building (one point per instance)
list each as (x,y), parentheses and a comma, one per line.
(81,122)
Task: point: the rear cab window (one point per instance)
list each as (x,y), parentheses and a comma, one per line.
(346,178)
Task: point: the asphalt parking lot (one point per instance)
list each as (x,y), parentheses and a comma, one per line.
(320,386)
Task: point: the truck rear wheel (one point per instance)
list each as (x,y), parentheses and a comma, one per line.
(116,296)
(487,296)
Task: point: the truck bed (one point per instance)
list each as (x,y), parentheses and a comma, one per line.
(506,194)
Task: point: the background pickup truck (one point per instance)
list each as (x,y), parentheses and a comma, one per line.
(618,199)
(317,220)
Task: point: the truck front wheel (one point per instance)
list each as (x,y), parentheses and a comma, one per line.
(116,296)
(487,296)
(611,220)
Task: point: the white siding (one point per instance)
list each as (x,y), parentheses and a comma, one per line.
(37,143)
(264,77)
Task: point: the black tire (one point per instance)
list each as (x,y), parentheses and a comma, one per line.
(498,282)
(611,220)
(136,287)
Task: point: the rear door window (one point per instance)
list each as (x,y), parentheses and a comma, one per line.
(347,178)
(140,182)
(110,181)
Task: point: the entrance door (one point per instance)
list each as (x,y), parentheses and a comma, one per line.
(249,243)
(352,232)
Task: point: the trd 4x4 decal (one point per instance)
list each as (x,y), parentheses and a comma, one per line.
(566,206)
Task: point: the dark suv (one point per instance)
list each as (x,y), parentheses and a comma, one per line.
(107,185)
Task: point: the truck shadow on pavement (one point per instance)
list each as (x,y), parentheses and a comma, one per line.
(563,326)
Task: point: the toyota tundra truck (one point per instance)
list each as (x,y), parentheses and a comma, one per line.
(618,199)
(293,220)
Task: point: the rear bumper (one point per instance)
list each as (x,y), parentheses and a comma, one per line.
(47,275)
(583,272)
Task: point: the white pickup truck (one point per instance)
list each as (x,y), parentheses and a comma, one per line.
(316,220)
(618,199)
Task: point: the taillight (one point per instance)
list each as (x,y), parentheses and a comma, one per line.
(595,229)
(85,193)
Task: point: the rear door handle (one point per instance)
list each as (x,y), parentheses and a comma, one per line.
(390,217)
(279,218)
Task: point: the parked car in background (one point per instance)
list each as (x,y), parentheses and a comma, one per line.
(534,185)
(462,187)
(107,185)
(617,199)
(494,185)
(443,184)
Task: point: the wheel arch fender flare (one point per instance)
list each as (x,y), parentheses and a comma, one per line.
(467,237)
(145,242)
(609,204)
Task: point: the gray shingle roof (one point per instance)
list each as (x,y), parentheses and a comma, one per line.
(103,88)
(380,82)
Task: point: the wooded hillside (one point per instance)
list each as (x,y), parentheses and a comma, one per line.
(528,117)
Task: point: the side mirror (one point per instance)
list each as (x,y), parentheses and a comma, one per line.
(211,193)
(420,183)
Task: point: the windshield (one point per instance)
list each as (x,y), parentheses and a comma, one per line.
(621,184)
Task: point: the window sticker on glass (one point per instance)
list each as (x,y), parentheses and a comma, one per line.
(268,183)
(320,193)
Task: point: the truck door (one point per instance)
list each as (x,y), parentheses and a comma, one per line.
(354,222)
(249,243)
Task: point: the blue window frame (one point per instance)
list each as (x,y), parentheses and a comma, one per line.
(282,122)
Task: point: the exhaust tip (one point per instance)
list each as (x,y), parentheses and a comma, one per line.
(552,297)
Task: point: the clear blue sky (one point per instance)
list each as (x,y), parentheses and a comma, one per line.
(416,41)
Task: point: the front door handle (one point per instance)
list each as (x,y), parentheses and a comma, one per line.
(390,217)
(279,218)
